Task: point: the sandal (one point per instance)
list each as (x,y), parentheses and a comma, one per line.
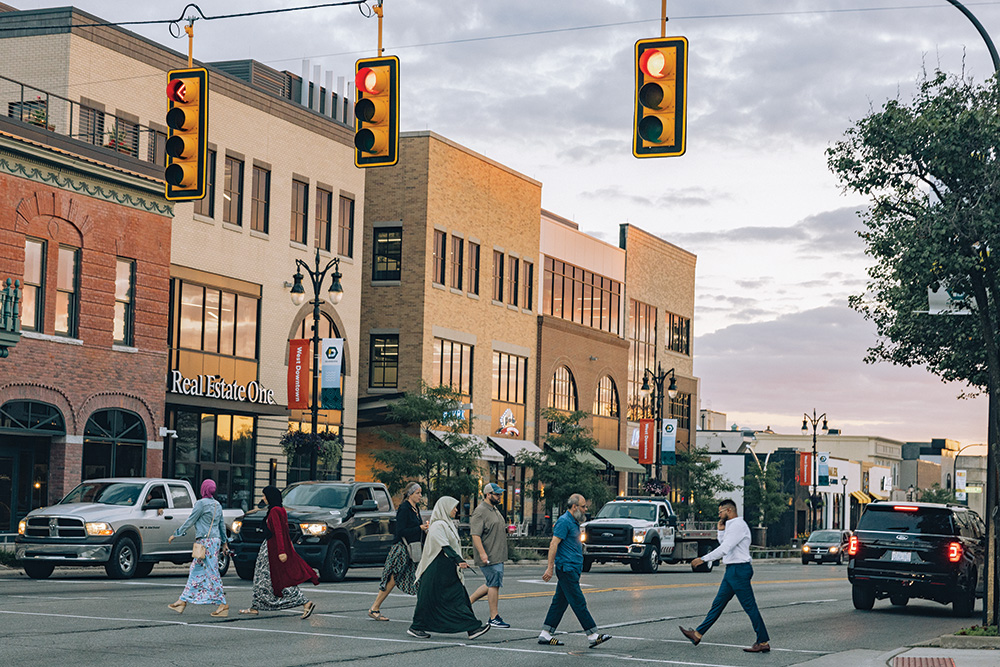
(249,612)
(307,612)
(377,615)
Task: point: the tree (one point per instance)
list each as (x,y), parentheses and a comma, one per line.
(763,499)
(697,479)
(443,466)
(559,467)
(936,494)
(930,168)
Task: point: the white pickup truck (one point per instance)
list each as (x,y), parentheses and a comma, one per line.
(121,523)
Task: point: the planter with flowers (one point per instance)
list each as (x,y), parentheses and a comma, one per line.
(328,447)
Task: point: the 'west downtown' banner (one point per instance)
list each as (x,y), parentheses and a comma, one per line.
(298,374)
(331,361)
(647,442)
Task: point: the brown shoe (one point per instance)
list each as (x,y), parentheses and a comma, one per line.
(690,634)
(759,648)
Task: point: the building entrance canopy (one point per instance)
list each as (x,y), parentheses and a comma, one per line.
(620,461)
(487,452)
(511,447)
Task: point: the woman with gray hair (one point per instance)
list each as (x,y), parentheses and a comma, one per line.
(400,569)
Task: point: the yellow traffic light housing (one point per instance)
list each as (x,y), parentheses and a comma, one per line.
(376,114)
(659,128)
(187,143)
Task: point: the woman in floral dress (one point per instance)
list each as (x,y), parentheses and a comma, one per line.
(279,570)
(204,584)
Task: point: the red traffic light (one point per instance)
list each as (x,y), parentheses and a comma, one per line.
(656,64)
(372,80)
(182,91)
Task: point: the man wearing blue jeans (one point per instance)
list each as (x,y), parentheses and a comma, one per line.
(734,549)
(566,559)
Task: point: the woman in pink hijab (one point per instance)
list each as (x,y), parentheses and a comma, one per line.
(204,584)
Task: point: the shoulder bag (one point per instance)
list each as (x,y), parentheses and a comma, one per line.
(414,549)
(198,551)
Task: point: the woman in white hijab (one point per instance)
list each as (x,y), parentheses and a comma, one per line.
(442,601)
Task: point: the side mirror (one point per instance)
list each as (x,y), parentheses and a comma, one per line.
(672,521)
(367,506)
(155,504)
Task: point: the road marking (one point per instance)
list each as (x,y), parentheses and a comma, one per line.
(551,582)
(56,597)
(632,589)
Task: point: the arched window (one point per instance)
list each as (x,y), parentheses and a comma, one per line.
(562,394)
(114,445)
(41,418)
(606,402)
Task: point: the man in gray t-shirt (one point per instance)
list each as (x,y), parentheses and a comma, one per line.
(489,546)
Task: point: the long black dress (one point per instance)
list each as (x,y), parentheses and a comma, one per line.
(442,602)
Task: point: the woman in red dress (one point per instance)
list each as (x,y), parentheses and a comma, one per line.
(279,569)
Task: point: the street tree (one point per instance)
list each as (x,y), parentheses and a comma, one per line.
(696,476)
(930,169)
(560,468)
(443,466)
(763,498)
(936,494)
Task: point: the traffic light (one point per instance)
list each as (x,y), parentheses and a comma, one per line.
(187,143)
(376,124)
(659,129)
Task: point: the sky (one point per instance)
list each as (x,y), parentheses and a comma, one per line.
(546,88)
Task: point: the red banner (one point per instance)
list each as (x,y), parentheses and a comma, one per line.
(298,374)
(805,469)
(647,442)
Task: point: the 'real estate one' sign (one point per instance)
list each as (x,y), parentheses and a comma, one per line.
(213,386)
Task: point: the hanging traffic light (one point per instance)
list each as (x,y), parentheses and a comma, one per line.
(376,139)
(659,129)
(187,143)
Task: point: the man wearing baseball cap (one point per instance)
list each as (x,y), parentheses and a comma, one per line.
(489,542)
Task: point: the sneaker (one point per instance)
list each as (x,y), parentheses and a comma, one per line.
(497,622)
(599,640)
(419,634)
(478,633)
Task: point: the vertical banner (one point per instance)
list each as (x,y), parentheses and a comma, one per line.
(823,464)
(331,361)
(961,480)
(805,469)
(647,441)
(298,374)
(668,442)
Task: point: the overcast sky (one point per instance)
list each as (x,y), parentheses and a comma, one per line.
(546,88)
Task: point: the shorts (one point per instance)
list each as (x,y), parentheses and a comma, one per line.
(493,574)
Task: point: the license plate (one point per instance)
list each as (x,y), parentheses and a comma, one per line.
(901,556)
(818,557)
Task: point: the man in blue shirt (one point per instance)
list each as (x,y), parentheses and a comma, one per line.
(566,559)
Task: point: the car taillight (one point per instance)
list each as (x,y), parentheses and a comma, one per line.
(954,552)
(852,547)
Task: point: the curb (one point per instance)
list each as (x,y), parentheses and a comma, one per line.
(963,642)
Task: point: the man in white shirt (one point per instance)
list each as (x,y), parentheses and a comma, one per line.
(734,550)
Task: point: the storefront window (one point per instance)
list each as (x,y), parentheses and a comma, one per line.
(219,446)
(114,445)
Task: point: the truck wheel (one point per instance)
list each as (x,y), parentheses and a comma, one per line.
(337,561)
(224,560)
(965,600)
(245,570)
(123,561)
(587,563)
(650,561)
(39,570)
(143,569)
(863,597)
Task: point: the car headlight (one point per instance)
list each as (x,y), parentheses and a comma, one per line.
(313,529)
(805,548)
(583,536)
(639,535)
(22,525)
(833,550)
(236,526)
(101,528)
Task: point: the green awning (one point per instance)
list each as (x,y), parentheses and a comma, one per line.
(587,457)
(620,461)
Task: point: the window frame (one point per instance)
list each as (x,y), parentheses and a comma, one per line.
(37,289)
(206,205)
(128,305)
(345,232)
(380,242)
(232,191)
(73,300)
(299,214)
(439,257)
(457,261)
(260,199)
(383,362)
(498,277)
(475,254)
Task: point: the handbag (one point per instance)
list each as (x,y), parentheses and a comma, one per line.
(414,549)
(198,551)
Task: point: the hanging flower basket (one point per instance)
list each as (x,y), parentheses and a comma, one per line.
(327,446)
(656,487)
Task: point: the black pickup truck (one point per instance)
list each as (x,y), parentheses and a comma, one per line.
(333,525)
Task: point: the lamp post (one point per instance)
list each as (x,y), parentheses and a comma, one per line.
(844,525)
(806,421)
(317,276)
(658,378)
(954,465)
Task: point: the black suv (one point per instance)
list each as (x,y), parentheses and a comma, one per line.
(917,550)
(333,525)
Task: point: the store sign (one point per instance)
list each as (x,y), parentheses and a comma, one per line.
(213,386)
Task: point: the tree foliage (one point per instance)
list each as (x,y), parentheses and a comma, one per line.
(936,494)
(695,476)
(763,499)
(559,468)
(442,466)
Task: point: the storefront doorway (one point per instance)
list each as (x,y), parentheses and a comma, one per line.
(24,467)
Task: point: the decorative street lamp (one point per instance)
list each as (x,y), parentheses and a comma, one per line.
(658,378)
(806,421)
(845,524)
(336,293)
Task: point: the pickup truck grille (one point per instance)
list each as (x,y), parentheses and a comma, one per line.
(609,535)
(55,526)
(253,531)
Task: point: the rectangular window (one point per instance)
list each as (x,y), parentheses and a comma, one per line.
(457,261)
(157,150)
(578,295)
(440,258)
(206,206)
(678,334)
(345,237)
(529,285)
(453,366)
(510,394)
(680,409)
(33,293)
(473,267)
(300,215)
(384,361)
(324,208)
(124,324)
(497,275)
(123,137)
(513,274)
(91,126)
(217,321)
(260,200)
(67,300)
(232,192)
(388,247)
(642,355)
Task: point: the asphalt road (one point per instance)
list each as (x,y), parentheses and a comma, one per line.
(79,617)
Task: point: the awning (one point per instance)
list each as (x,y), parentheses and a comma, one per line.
(488,453)
(861,497)
(876,496)
(511,447)
(587,457)
(620,461)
